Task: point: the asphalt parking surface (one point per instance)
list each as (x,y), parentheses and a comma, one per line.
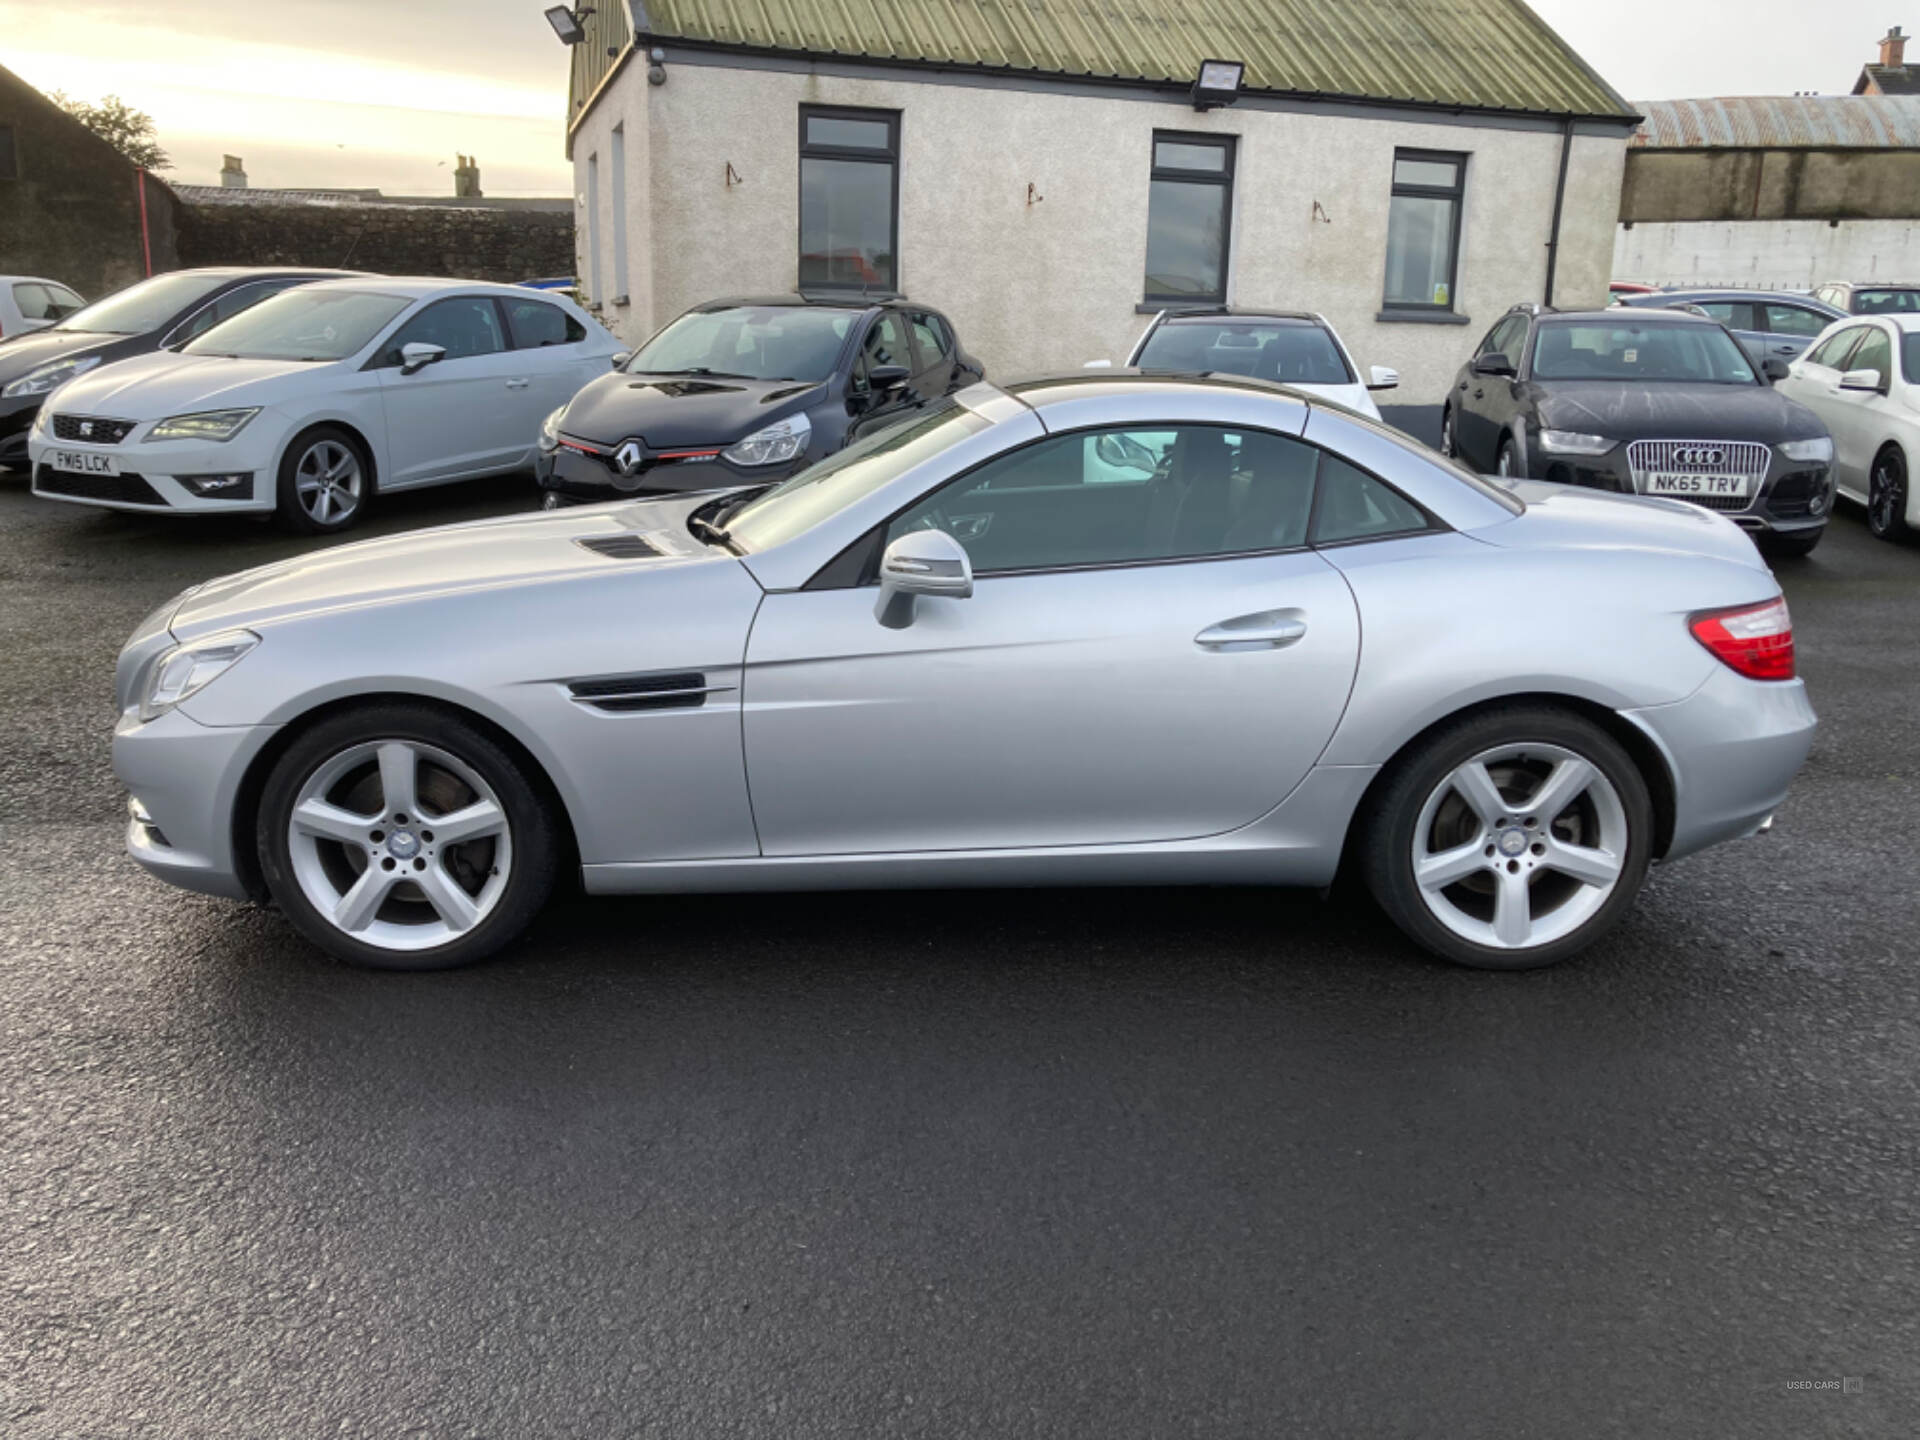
(1092,1163)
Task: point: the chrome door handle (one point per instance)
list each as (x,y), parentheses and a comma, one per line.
(1267,630)
(517,384)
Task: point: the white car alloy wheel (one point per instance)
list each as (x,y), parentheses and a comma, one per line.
(399,845)
(1519,846)
(328,483)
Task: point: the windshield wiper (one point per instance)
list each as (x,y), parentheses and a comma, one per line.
(699,370)
(713,534)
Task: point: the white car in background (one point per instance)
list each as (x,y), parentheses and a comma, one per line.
(1862,378)
(314,400)
(1292,347)
(29,303)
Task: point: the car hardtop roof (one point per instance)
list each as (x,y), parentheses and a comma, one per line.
(799,300)
(248,272)
(1613,315)
(1038,391)
(1873,284)
(416,287)
(1239,312)
(1726,292)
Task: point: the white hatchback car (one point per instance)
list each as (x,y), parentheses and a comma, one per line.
(1862,378)
(1294,347)
(313,400)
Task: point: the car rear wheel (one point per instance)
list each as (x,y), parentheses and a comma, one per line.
(1511,839)
(1505,463)
(1449,441)
(324,482)
(1887,496)
(400,837)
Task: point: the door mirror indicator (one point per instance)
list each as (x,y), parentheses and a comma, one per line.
(417,356)
(921,562)
(1870,381)
(1493,363)
(1381,378)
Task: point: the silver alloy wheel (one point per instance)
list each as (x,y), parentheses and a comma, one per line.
(1520,846)
(399,844)
(1886,498)
(328,482)
(1503,462)
(1447,446)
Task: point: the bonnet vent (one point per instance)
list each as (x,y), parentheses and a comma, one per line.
(619,547)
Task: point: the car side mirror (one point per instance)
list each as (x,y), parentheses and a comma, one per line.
(1493,363)
(1381,378)
(882,378)
(1123,452)
(619,362)
(1870,381)
(921,562)
(418,355)
(1774,368)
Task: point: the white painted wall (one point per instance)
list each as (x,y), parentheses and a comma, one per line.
(1766,254)
(1049,285)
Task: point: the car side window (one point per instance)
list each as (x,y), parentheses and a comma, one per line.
(1792,320)
(1126,496)
(928,346)
(465,326)
(1734,314)
(225,307)
(535,324)
(32,301)
(1495,337)
(1355,506)
(886,344)
(1875,352)
(1833,350)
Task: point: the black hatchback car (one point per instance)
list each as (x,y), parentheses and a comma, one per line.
(1644,402)
(747,391)
(165,311)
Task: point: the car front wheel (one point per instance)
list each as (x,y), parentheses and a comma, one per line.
(1511,839)
(401,837)
(324,482)
(1887,496)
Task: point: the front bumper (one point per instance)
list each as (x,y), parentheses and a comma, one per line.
(1732,747)
(184,778)
(589,479)
(1794,498)
(150,476)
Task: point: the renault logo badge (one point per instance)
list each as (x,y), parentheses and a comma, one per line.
(629,457)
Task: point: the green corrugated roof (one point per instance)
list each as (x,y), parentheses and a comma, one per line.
(1468,54)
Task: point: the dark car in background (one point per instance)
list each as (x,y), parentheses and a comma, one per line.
(747,391)
(163,312)
(1765,322)
(1644,402)
(1852,297)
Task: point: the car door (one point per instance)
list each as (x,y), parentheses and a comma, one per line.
(1861,419)
(551,346)
(932,356)
(1789,329)
(1140,661)
(887,342)
(1479,396)
(1814,381)
(466,413)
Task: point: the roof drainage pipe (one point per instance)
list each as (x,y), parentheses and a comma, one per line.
(1559,201)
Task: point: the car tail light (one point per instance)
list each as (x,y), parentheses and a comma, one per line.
(1756,640)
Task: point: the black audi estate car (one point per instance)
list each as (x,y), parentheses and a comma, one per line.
(1644,402)
(747,391)
(165,311)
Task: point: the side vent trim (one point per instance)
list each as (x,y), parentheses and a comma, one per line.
(623,694)
(618,547)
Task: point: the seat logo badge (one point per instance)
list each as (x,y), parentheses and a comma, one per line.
(629,457)
(1699,456)
(86,427)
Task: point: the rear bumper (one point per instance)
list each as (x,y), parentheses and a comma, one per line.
(1733,748)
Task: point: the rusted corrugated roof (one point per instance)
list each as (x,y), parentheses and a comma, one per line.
(1781,122)
(1463,54)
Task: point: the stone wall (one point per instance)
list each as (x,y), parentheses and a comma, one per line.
(473,243)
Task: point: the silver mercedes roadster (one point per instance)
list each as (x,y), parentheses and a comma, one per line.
(1105,629)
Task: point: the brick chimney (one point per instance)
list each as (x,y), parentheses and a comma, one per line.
(466,178)
(233,175)
(1893,49)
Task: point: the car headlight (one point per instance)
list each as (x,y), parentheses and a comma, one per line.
(188,669)
(203,425)
(550,431)
(50,377)
(1574,442)
(780,441)
(1819,448)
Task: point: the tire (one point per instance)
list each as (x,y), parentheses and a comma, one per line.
(1887,496)
(324,470)
(1505,463)
(1789,547)
(432,903)
(1449,438)
(1574,873)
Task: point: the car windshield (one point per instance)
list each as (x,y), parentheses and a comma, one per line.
(798,504)
(143,307)
(749,342)
(1596,350)
(1295,352)
(1882,302)
(302,324)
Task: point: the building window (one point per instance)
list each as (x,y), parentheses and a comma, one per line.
(1423,229)
(619,216)
(1189,216)
(9,159)
(594,293)
(849,199)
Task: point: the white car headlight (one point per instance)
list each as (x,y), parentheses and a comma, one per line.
(779,441)
(1819,448)
(1574,442)
(188,669)
(550,430)
(50,377)
(203,425)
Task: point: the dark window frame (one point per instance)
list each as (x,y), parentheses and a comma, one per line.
(1223,177)
(889,157)
(1457,193)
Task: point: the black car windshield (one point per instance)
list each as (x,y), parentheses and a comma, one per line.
(1597,350)
(1294,352)
(1885,302)
(303,324)
(797,504)
(143,307)
(749,342)
(1910,356)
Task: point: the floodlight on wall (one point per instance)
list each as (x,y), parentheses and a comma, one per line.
(569,24)
(1217,84)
